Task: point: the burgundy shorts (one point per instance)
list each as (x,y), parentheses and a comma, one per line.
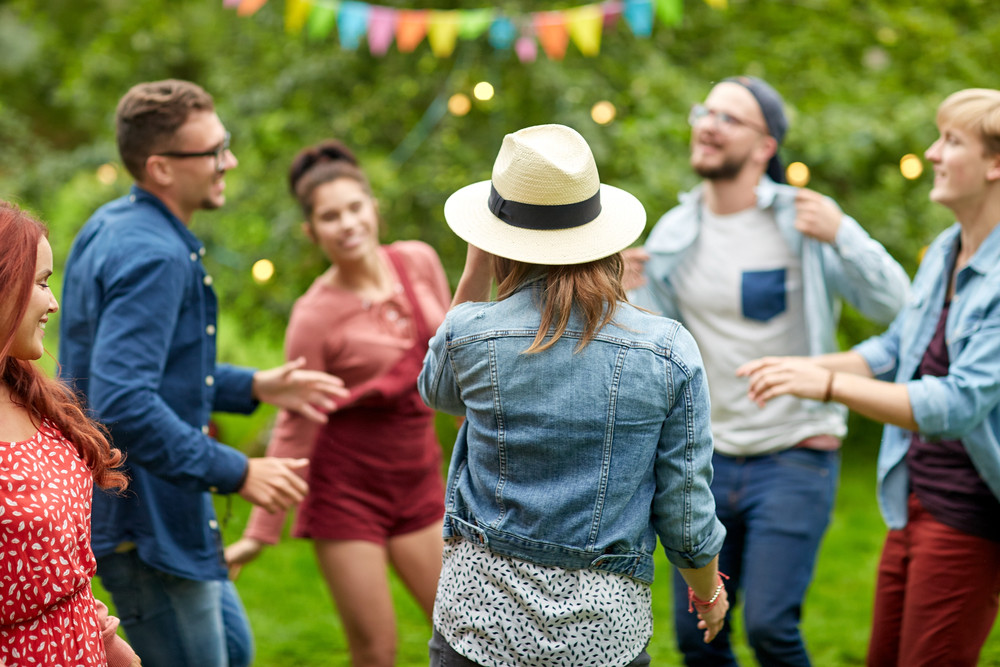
(348,500)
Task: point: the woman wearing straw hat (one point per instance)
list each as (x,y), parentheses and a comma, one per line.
(586,432)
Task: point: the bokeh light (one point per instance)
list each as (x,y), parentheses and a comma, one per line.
(911,166)
(263,270)
(107,173)
(603,112)
(459,104)
(797,174)
(483,91)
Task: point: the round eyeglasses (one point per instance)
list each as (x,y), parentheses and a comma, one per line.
(720,118)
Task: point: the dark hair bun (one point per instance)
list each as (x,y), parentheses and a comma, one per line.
(325,152)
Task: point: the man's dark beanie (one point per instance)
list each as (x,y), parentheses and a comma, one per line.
(773,108)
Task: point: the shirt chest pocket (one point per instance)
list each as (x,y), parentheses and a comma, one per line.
(763,294)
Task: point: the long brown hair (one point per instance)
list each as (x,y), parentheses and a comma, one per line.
(594,288)
(42,396)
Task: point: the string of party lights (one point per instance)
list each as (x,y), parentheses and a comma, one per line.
(553,29)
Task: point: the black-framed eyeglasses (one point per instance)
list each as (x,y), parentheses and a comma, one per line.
(720,118)
(219,153)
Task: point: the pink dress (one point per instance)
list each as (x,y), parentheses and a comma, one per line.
(48,615)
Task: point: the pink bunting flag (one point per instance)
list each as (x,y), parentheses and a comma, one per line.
(381,29)
(526,49)
(231,4)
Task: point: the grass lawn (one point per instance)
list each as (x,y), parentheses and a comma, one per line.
(295,624)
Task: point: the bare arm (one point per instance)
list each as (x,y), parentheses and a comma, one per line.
(707,586)
(477,277)
(843,377)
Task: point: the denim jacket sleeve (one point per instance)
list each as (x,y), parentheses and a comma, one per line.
(859,269)
(129,358)
(693,536)
(436,383)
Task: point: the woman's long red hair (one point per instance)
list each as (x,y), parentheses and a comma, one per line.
(42,396)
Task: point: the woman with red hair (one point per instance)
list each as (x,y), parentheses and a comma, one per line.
(51,455)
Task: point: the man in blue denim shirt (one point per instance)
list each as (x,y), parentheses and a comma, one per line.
(752,268)
(137,338)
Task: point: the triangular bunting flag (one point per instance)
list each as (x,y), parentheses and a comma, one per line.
(352,23)
(321,21)
(502,33)
(474,22)
(442,31)
(669,11)
(411,26)
(639,16)
(249,7)
(551,30)
(296,13)
(584,25)
(381,29)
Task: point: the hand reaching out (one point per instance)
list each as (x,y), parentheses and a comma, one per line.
(776,376)
(308,392)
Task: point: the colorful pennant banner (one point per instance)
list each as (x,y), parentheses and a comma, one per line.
(552,29)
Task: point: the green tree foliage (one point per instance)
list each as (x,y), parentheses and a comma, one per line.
(861,80)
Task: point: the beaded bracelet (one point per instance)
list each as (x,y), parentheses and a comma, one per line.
(694,602)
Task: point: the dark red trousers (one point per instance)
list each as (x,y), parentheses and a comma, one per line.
(936,596)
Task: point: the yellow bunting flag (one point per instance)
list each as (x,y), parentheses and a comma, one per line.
(718,4)
(249,7)
(551,30)
(296,13)
(442,31)
(411,26)
(585,25)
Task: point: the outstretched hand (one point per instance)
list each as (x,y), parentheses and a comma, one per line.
(292,387)
(776,376)
(241,552)
(273,483)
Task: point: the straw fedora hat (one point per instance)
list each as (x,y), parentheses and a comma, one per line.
(545,203)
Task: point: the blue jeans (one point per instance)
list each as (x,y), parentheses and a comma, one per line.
(776,508)
(175,622)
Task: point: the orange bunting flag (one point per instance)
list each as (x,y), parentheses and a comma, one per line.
(550,27)
(442,31)
(585,25)
(411,26)
(296,14)
(249,7)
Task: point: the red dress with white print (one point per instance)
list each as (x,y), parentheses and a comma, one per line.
(47,612)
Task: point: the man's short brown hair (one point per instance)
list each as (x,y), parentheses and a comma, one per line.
(150,113)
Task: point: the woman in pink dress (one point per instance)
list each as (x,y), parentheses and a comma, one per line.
(51,455)
(376,494)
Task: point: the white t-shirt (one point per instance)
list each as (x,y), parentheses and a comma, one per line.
(500,611)
(739,292)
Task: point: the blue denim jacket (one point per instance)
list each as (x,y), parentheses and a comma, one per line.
(137,338)
(575,459)
(965,404)
(855,268)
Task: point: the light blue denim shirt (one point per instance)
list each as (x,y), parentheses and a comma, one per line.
(855,268)
(965,404)
(575,459)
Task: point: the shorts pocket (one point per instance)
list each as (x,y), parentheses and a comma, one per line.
(764,294)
